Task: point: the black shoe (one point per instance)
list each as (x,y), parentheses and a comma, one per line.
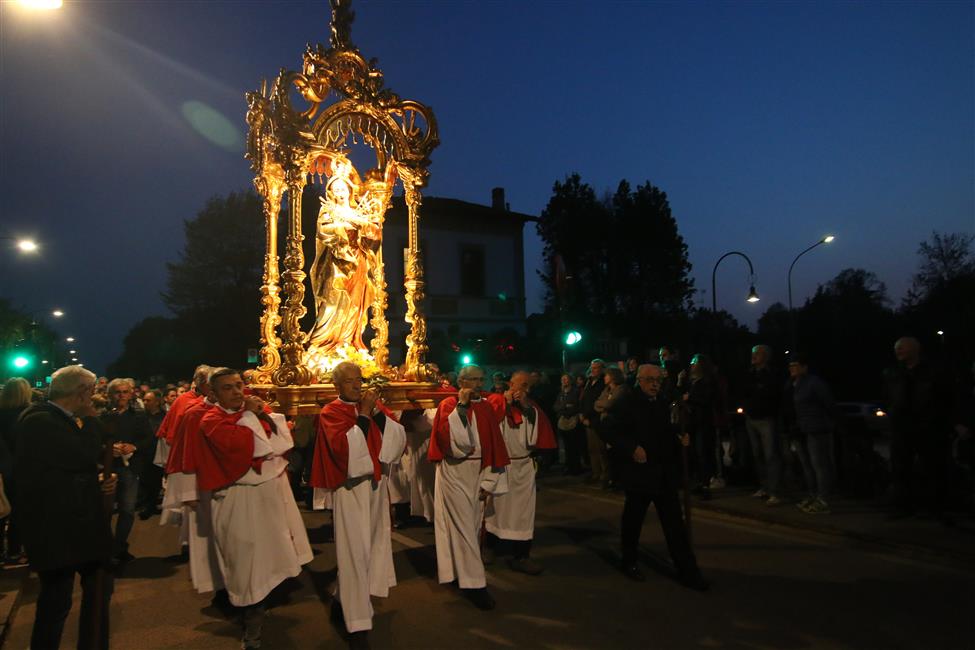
(221,601)
(124,556)
(359,640)
(337,615)
(481,598)
(633,572)
(695,582)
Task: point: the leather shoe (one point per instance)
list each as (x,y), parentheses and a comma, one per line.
(481,598)
(359,640)
(633,572)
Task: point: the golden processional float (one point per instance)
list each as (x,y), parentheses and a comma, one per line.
(347,104)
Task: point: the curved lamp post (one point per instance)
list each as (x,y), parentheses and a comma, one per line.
(792,317)
(752,294)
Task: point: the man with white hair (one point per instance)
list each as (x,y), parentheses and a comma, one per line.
(129,430)
(641,431)
(471,457)
(511,516)
(357,440)
(61,508)
(259,533)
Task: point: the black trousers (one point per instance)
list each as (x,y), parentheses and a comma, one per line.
(150,485)
(54,603)
(932,450)
(574,445)
(671,520)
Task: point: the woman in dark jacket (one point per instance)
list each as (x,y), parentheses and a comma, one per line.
(14,399)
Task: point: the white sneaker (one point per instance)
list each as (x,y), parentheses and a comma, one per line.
(760,493)
(717,483)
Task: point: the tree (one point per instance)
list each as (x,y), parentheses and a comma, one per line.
(942,298)
(618,264)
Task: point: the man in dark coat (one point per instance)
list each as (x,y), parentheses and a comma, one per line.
(640,429)
(60,507)
(129,429)
(595,384)
(919,402)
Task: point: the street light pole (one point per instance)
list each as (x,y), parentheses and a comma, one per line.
(752,294)
(792,317)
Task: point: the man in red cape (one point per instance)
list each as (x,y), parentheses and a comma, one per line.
(180,487)
(260,536)
(471,457)
(511,516)
(357,440)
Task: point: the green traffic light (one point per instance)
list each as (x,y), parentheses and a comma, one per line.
(571,338)
(466,359)
(20,361)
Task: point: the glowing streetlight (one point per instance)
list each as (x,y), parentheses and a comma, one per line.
(45,362)
(792,317)
(57,313)
(70,339)
(41,5)
(752,295)
(74,358)
(72,352)
(828,238)
(940,332)
(27,245)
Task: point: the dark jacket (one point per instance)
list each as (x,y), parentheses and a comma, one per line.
(567,404)
(762,391)
(918,399)
(638,420)
(590,393)
(813,405)
(131,426)
(702,403)
(59,504)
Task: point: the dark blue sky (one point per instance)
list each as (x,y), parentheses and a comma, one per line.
(767,124)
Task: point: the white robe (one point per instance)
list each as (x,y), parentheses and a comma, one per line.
(458,508)
(259,533)
(512,515)
(399,476)
(363,548)
(422,473)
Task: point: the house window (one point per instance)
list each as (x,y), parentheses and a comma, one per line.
(471,270)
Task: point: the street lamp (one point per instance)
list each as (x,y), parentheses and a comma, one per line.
(22,244)
(752,294)
(792,318)
(70,339)
(57,313)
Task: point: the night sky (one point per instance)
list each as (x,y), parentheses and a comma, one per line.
(769,125)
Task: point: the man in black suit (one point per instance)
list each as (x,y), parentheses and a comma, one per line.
(61,509)
(641,431)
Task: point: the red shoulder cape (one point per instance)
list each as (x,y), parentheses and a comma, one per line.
(167,428)
(330,465)
(186,442)
(546,435)
(494,453)
(224,450)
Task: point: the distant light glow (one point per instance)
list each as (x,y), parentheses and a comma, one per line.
(41,4)
(72,352)
(21,362)
(466,359)
(44,362)
(70,339)
(940,332)
(57,313)
(74,358)
(879,413)
(212,125)
(740,411)
(828,238)
(752,295)
(27,245)
(571,338)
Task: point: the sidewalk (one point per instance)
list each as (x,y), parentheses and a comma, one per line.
(11,581)
(856,522)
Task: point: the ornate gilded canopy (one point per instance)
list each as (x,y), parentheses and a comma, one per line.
(347,104)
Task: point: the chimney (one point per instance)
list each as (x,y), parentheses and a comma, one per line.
(497,199)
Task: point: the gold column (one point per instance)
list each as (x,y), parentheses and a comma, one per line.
(380,327)
(292,371)
(416,340)
(270,190)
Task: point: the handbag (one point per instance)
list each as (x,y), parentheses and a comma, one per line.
(568,423)
(5,507)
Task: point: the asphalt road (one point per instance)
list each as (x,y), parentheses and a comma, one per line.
(770,590)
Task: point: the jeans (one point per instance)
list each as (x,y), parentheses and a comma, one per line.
(815,452)
(54,603)
(126,494)
(765,450)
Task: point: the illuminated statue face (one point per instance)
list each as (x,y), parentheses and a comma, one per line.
(340,192)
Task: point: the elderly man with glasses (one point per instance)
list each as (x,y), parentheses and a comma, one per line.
(651,473)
